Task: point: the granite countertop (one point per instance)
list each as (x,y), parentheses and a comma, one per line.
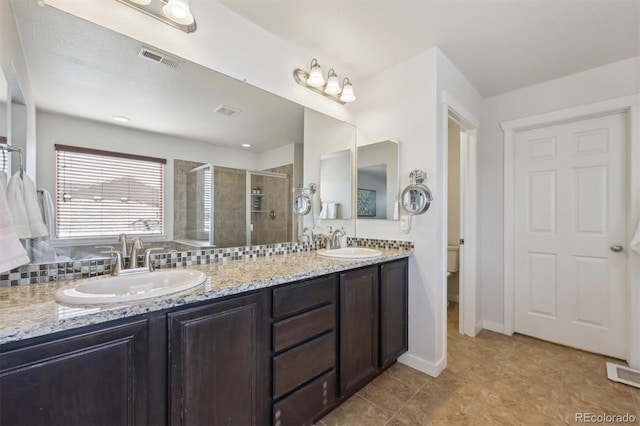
(28,311)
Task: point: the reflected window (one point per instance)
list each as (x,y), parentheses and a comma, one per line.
(102,193)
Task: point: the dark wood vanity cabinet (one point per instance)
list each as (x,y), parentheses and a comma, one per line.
(359,340)
(283,356)
(394,311)
(218,372)
(373,322)
(92,378)
(304,351)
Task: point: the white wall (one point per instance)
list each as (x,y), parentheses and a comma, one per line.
(607,82)
(56,128)
(12,61)
(391,106)
(277,157)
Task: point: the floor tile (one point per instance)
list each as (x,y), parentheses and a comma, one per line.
(493,379)
(356,411)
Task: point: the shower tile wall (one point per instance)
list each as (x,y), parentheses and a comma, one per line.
(229,199)
(270,228)
(290,225)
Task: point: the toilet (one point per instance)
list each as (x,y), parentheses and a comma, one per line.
(453,259)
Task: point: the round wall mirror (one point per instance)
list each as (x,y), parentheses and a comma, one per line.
(302,204)
(416,199)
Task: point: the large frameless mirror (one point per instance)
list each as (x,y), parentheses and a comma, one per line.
(84,76)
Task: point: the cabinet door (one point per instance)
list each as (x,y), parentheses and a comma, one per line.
(393,311)
(358,328)
(218,363)
(94,378)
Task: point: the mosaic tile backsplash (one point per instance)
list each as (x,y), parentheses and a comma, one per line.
(62,271)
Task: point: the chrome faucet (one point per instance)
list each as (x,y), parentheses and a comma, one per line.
(136,244)
(122,239)
(306,232)
(335,238)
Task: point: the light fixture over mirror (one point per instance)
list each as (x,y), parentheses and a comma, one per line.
(173,12)
(330,88)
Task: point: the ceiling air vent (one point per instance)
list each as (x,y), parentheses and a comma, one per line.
(159,58)
(227,110)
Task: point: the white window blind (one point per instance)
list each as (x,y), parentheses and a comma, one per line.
(4,159)
(102,193)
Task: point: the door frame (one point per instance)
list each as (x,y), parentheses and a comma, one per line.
(630,106)
(468,124)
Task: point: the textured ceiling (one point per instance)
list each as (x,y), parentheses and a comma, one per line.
(81,69)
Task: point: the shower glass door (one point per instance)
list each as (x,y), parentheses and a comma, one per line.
(268,217)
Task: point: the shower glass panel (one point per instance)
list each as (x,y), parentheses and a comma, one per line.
(199,226)
(268,217)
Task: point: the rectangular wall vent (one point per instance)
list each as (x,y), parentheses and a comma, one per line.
(227,110)
(159,58)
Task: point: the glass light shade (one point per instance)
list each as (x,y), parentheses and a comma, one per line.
(178,11)
(141,2)
(315,76)
(347,92)
(333,85)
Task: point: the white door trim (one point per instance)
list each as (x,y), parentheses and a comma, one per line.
(628,104)
(469,124)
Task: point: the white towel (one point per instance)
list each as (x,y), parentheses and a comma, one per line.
(23,205)
(324,211)
(332,210)
(47,210)
(12,254)
(635,243)
(329,211)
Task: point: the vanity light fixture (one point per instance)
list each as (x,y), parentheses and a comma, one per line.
(173,12)
(120,119)
(330,88)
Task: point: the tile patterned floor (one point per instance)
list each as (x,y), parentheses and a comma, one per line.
(492,379)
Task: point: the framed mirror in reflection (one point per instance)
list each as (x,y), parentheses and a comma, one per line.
(335,185)
(98,89)
(378,181)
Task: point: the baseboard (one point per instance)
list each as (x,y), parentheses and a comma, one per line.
(453,298)
(492,326)
(478,328)
(422,364)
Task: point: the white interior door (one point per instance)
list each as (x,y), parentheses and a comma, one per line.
(570,204)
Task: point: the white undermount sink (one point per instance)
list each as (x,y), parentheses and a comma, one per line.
(350,253)
(127,288)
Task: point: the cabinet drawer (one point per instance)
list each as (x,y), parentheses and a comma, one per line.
(296,366)
(302,296)
(302,406)
(296,329)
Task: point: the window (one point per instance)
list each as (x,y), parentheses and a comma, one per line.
(4,160)
(102,193)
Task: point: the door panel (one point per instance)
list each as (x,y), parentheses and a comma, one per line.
(570,198)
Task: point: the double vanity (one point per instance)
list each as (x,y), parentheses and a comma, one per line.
(278,340)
